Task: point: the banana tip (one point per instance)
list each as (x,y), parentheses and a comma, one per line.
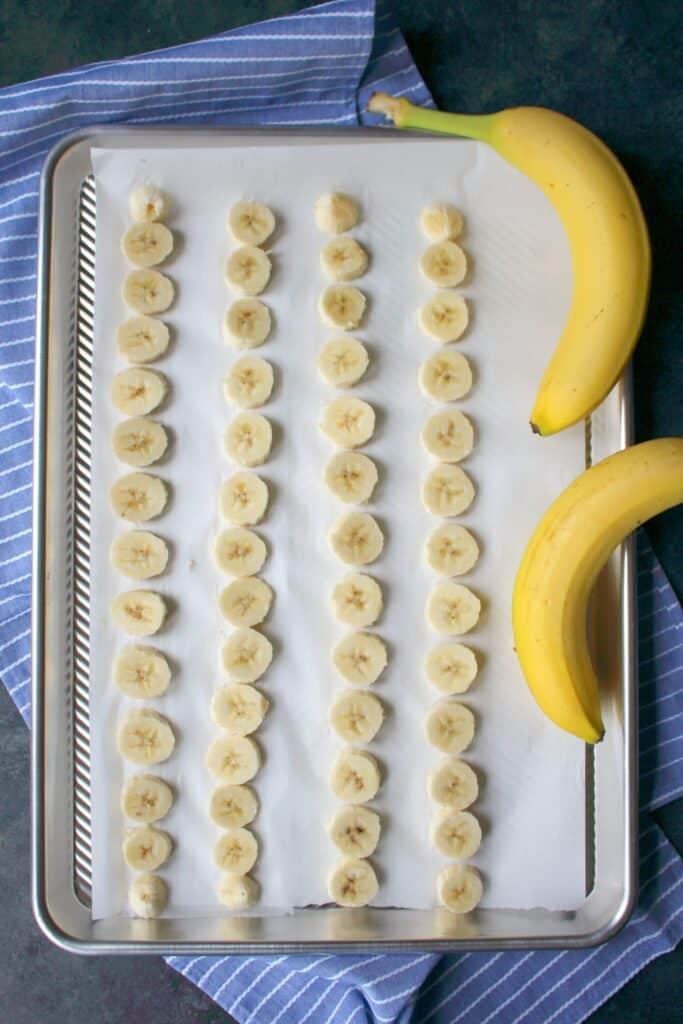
(383,103)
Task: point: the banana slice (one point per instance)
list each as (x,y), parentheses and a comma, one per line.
(233,759)
(248,439)
(148,291)
(139,441)
(148,203)
(349,422)
(456,834)
(139,555)
(448,436)
(360,658)
(459,888)
(343,361)
(444,264)
(351,477)
(453,784)
(246,655)
(451,668)
(239,552)
(251,223)
(248,270)
(136,392)
(357,600)
(148,896)
(238,708)
(145,737)
(451,550)
(236,851)
(138,497)
(355,776)
(446,376)
(342,305)
(343,259)
(141,672)
(441,222)
(444,317)
(336,213)
(246,602)
(353,883)
(452,608)
(356,717)
(356,538)
(142,339)
(146,849)
(249,383)
(243,499)
(139,612)
(247,323)
(238,892)
(449,726)
(233,806)
(147,244)
(146,798)
(355,831)
(447,491)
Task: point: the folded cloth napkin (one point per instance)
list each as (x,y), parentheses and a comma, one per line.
(315,67)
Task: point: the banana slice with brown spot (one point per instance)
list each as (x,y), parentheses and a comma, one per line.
(353,883)
(355,776)
(355,831)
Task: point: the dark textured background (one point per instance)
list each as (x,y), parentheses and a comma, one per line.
(615,65)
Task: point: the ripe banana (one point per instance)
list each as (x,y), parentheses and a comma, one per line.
(353,883)
(602,217)
(233,806)
(148,203)
(251,223)
(355,831)
(459,888)
(148,896)
(145,798)
(336,213)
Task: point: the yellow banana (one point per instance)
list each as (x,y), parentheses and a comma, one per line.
(566,552)
(601,215)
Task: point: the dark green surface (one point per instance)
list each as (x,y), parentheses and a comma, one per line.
(613,65)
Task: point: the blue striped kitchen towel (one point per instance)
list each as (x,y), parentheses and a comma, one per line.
(315,67)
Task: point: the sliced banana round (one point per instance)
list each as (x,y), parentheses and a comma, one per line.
(139,555)
(449,726)
(139,612)
(360,658)
(451,668)
(446,376)
(233,806)
(247,323)
(353,883)
(142,339)
(357,600)
(239,552)
(251,223)
(148,896)
(243,499)
(249,383)
(356,717)
(148,291)
(459,888)
(441,222)
(248,270)
(238,892)
(448,435)
(148,203)
(356,538)
(236,851)
(349,422)
(147,244)
(444,317)
(455,834)
(233,759)
(141,672)
(239,709)
(351,477)
(343,361)
(444,264)
(246,655)
(452,608)
(453,784)
(139,441)
(136,391)
(336,213)
(248,439)
(447,491)
(342,305)
(355,831)
(343,259)
(145,737)
(146,798)
(451,550)
(355,776)
(146,849)
(138,497)
(246,602)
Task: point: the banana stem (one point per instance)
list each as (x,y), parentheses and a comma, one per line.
(405,114)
